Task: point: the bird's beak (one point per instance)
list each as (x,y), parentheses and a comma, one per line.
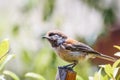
(45,37)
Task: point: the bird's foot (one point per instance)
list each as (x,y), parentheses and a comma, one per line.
(69,66)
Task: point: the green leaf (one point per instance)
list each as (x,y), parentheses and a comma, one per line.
(115,72)
(8,58)
(109,70)
(34,75)
(11,74)
(4,49)
(105,77)
(117,47)
(116,64)
(79,77)
(118,77)
(98,75)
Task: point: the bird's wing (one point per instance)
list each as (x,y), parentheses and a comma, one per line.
(77,46)
(74,46)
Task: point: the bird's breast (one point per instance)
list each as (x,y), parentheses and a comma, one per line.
(69,56)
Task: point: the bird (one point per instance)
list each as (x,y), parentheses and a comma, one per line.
(71,50)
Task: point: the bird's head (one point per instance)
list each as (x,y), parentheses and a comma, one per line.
(56,38)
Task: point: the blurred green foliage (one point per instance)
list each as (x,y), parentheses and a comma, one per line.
(4,49)
(29,5)
(15,29)
(11,74)
(48,9)
(93,3)
(109,16)
(110,72)
(34,75)
(43,63)
(5,58)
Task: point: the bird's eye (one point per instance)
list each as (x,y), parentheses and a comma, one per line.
(51,34)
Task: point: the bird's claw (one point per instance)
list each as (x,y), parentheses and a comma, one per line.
(69,67)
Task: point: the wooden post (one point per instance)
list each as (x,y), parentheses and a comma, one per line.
(65,74)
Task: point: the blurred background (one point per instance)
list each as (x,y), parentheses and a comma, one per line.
(23,22)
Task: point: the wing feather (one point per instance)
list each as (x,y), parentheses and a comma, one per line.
(74,46)
(80,47)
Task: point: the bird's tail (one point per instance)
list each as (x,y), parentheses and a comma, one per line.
(109,58)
